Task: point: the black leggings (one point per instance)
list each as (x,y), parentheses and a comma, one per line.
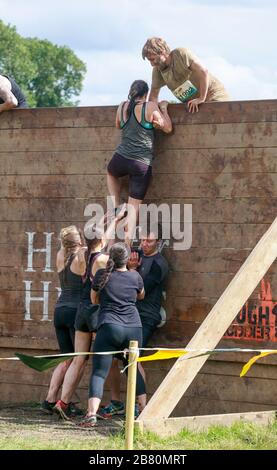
(64,319)
(112,337)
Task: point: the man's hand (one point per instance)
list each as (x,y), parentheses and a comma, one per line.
(158,121)
(134,261)
(163,105)
(193,105)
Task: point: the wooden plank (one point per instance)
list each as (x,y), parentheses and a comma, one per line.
(212,135)
(16,343)
(205,235)
(221,160)
(29,329)
(12,304)
(200,284)
(214,326)
(234,135)
(219,260)
(172,426)
(48,162)
(219,210)
(54,139)
(193,260)
(183,161)
(215,366)
(83,186)
(222,112)
(208,285)
(93,116)
(233,111)
(194,406)
(179,308)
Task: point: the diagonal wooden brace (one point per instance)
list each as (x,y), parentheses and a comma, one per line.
(214,326)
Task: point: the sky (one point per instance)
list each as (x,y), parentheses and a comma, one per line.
(235,39)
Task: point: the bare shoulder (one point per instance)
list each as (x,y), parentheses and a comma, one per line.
(101,261)
(60,260)
(121,105)
(60,254)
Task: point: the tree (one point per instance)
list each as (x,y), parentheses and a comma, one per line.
(49,75)
(15,59)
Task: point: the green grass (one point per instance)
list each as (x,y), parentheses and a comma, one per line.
(239,436)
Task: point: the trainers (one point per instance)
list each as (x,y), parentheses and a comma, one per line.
(113,408)
(88,422)
(137,412)
(63,410)
(47,407)
(74,410)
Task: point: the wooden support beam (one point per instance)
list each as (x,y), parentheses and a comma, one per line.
(214,326)
(171,426)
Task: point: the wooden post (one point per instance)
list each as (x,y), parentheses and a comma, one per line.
(131,396)
(214,326)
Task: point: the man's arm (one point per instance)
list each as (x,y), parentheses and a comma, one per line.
(203,76)
(6,94)
(153,278)
(154,94)
(158,115)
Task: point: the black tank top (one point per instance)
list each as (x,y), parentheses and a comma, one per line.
(22,103)
(71,287)
(88,277)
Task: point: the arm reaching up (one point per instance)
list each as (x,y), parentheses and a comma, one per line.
(159,116)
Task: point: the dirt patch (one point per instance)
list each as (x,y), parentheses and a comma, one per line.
(23,420)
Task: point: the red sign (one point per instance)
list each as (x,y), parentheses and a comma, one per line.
(256,321)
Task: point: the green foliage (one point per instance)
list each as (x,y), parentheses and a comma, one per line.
(48,74)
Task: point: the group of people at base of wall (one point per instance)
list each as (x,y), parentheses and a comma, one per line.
(109,293)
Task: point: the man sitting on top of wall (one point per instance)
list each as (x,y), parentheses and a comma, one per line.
(183,73)
(10,94)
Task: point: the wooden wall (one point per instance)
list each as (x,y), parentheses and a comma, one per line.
(222,160)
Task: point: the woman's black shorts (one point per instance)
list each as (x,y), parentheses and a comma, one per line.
(139,173)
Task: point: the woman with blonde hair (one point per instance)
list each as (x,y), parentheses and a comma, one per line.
(86,317)
(70,264)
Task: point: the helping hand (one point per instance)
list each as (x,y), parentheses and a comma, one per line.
(163,105)
(134,262)
(193,105)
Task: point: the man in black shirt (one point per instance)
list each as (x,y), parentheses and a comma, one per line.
(153,268)
(10,94)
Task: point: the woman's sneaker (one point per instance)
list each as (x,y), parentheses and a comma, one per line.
(112,409)
(88,422)
(47,407)
(67,411)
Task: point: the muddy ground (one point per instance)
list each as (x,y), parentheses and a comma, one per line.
(24,419)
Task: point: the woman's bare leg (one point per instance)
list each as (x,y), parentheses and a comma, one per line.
(132,218)
(114,187)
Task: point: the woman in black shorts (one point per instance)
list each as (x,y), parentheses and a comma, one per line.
(70,264)
(133,157)
(87,311)
(117,290)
